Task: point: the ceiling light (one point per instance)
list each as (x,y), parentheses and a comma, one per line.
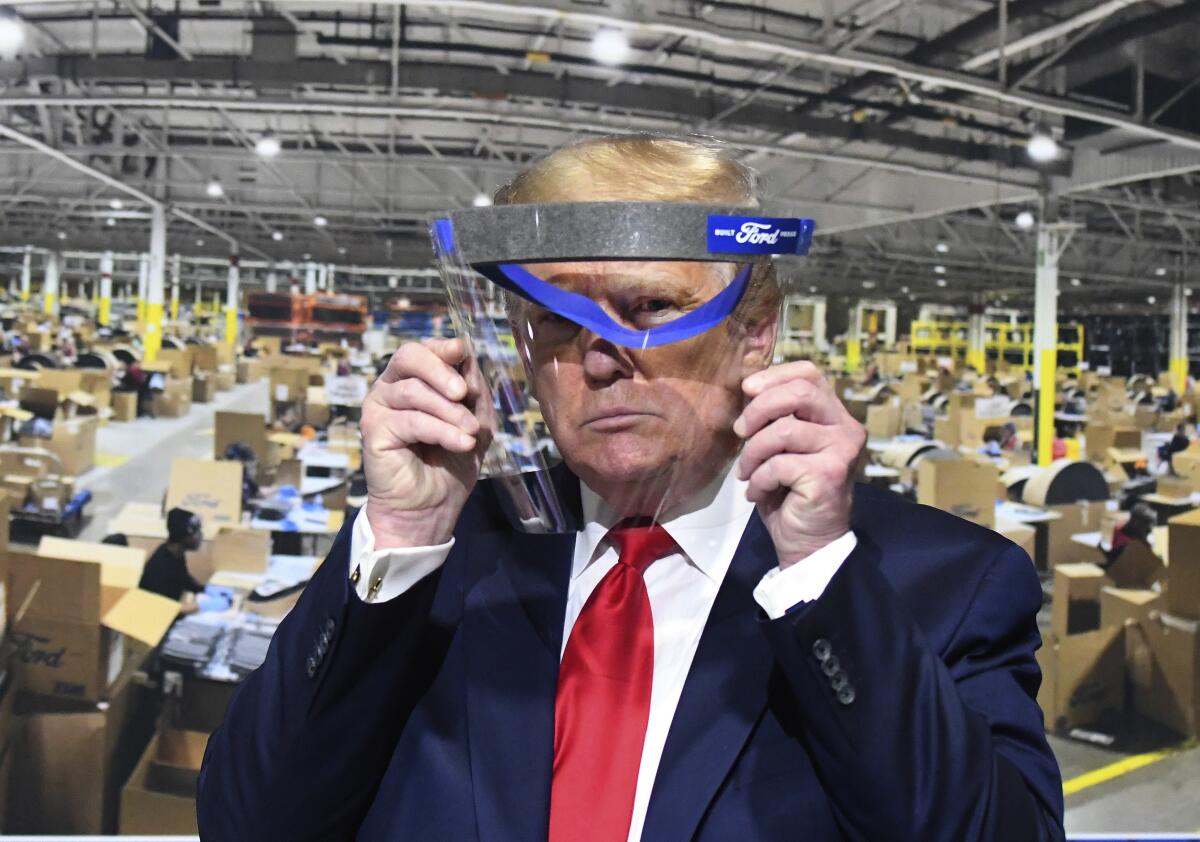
(1188,292)
(941,248)
(307,256)
(110,221)
(62,235)
(1160,271)
(1150,299)
(904,290)
(941,270)
(320,221)
(868,285)
(610,46)
(341,250)
(1024,219)
(199,243)
(268,145)
(214,188)
(812,289)
(276,235)
(12,36)
(116,204)
(1075,282)
(481,200)
(941,282)
(1041,147)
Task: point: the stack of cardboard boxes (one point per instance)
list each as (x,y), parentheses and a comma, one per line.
(80,628)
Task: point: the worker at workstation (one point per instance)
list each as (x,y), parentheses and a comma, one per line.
(1130,561)
(1178,443)
(166,570)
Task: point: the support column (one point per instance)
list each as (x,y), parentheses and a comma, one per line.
(889,326)
(142,282)
(106,270)
(155,277)
(231,302)
(322,274)
(272,281)
(26,273)
(329,278)
(176,268)
(310,278)
(1179,340)
(50,284)
(854,341)
(976,355)
(1052,239)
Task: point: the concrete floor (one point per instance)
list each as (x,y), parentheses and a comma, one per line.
(134,462)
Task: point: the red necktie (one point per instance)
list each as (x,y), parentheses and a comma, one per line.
(603,699)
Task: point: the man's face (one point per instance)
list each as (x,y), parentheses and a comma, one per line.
(630,416)
(195,534)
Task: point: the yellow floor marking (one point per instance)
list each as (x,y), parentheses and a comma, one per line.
(110,460)
(1121,767)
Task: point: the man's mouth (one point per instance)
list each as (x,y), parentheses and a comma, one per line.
(616,417)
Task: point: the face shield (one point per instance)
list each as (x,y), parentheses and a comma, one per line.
(613,336)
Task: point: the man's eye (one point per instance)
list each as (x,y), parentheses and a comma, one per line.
(656,305)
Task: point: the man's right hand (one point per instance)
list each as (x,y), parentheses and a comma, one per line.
(425,427)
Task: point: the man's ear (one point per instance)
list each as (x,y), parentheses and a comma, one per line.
(758,346)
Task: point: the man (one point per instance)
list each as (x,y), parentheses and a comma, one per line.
(166,570)
(783,655)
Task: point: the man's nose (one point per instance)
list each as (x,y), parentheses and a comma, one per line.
(603,361)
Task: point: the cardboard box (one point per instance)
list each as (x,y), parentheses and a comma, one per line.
(124,406)
(17,489)
(175,400)
(160,796)
(212,489)
(1187,465)
(1083,678)
(1076,604)
(226,377)
(249,370)
(946,431)
(73,631)
(204,388)
(960,486)
(288,384)
(1136,566)
(1167,687)
(1174,487)
(50,494)
(242,550)
(73,758)
(318,412)
(1183,577)
(73,441)
(180,360)
(1085,516)
(883,420)
(1121,605)
(205,358)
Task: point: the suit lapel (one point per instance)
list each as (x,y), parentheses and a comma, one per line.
(512,627)
(724,695)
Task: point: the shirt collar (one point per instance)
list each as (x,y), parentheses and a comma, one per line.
(700,525)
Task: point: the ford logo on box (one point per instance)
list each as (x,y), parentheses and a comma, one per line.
(759,235)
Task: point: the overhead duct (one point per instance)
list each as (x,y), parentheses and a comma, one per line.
(273,40)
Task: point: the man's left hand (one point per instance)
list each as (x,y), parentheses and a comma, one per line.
(799,457)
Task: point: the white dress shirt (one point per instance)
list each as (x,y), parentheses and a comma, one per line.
(682,588)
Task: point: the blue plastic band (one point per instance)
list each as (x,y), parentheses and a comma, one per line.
(586,313)
(759,235)
(443,232)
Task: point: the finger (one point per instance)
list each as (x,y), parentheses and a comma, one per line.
(408,428)
(786,435)
(417,395)
(433,362)
(801,398)
(759,382)
(792,472)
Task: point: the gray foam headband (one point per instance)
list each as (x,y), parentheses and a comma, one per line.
(625,230)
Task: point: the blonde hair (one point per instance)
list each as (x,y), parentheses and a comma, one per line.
(648,168)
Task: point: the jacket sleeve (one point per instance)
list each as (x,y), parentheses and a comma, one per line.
(309,734)
(916,746)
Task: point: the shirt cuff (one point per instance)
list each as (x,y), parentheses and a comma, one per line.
(380,575)
(805,580)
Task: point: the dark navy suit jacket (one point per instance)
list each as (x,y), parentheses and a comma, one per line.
(431,716)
